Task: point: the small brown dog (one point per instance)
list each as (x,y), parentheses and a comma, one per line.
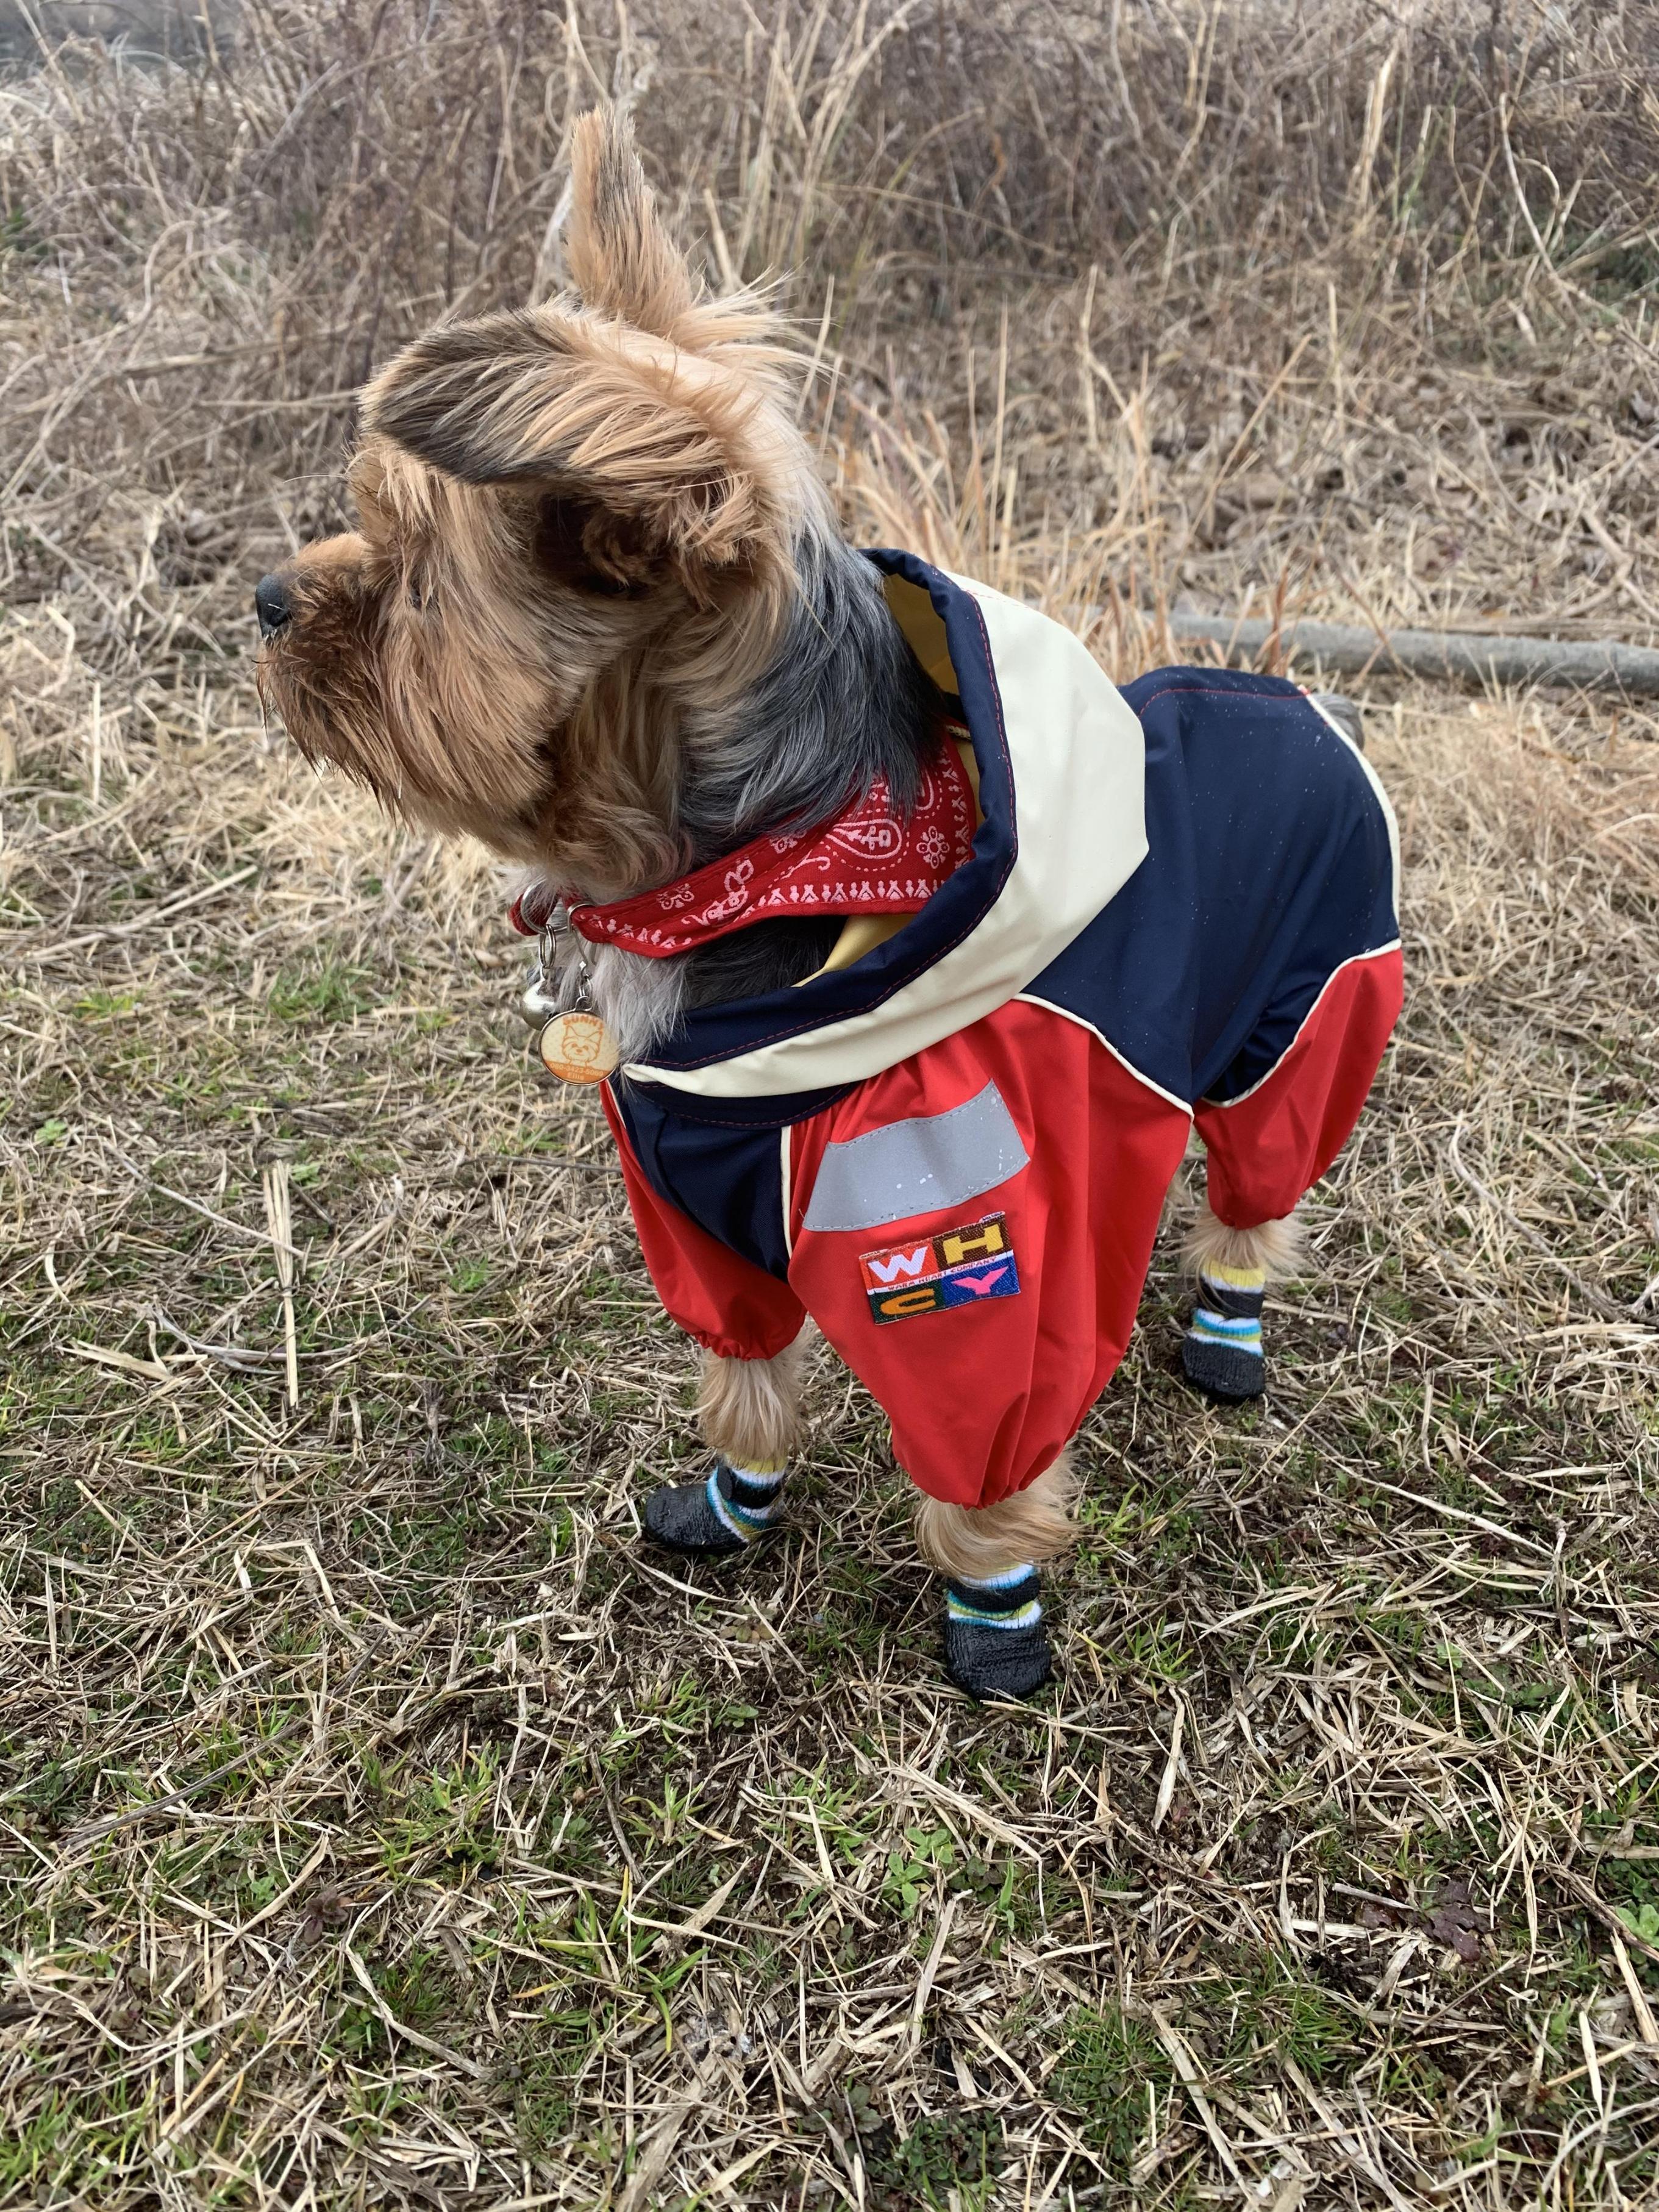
(914,949)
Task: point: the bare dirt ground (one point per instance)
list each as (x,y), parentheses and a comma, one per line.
(380,1826)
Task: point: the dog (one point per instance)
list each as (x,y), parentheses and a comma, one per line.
(910,950)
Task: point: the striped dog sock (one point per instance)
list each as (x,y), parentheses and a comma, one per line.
(726,1512)
(1221,1352)
(995,1643)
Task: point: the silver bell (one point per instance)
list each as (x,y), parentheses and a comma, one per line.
(539,1002)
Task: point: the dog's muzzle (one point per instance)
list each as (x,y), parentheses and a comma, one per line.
(272,605)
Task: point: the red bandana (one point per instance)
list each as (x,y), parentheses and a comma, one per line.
(863,861)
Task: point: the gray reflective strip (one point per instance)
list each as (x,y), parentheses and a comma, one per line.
(913,1167)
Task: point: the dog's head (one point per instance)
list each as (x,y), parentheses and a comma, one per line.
(574,521)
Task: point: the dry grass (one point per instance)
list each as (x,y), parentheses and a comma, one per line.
(384,1827)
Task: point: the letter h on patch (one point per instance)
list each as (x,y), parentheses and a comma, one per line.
(960,1266)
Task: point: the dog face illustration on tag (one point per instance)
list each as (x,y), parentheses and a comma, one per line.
(576,1049)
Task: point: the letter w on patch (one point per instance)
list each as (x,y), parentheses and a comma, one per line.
(888,1267)
(961,1267)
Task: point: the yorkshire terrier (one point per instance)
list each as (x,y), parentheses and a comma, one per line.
(909,950)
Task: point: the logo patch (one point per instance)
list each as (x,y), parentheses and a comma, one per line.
(961,1267)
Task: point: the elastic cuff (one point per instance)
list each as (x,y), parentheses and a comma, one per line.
(732,1347)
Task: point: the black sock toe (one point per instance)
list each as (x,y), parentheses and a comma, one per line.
(681,1519)
(997,1663)
(1223,1371)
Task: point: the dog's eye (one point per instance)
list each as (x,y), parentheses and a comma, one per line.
(417,599)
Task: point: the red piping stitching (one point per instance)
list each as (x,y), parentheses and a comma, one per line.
(1224,691)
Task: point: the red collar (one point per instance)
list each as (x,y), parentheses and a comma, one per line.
(865,860)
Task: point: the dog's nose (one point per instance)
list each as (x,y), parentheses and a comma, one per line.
(272,605)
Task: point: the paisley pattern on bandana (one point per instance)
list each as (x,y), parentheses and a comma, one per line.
(865,861)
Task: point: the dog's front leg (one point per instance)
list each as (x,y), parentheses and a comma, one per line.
(751,1408)
(995,1643)
(750,1414)
(1221,1352)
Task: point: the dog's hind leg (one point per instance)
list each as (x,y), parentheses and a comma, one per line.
(995,1642)
(974,1541)
(750,1414)
(1221,1352)
(750,1409)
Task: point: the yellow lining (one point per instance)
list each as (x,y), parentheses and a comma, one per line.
(859,933)
(923,626)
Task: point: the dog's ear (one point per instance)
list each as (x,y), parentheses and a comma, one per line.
(625,264)
(687,456)
(622,260)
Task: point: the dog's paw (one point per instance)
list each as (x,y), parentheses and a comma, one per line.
(1230,1373)
(708,1520)
(997,1663)
(1221,1352)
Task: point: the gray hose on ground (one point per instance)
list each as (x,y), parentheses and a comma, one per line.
(1454,656)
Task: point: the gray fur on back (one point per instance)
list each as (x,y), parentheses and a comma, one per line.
(845,702)
(1345,713)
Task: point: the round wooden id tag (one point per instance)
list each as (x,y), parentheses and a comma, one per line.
(575,1047)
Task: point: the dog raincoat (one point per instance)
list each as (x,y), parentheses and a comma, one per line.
(953,1153)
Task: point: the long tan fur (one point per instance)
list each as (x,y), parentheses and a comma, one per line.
(751,1408)
(1035,1523)
(577,527)
(1275,1247)
(621,258)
